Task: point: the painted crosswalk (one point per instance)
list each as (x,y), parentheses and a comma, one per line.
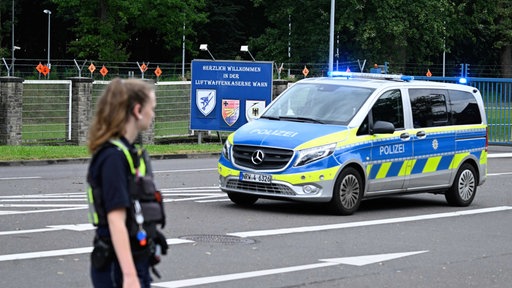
(56,202)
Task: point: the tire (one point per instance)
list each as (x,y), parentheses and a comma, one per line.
(348,192)
(242,199)
(464,187)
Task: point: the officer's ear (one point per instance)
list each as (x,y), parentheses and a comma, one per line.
(137,111)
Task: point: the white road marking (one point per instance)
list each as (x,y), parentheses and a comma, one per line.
(224,199)
(370,259)
(42,211)
(358,261)
(193,198)
(43,254)
(270,232)
(499,155)
(74,227)
(20,178)
(367,223)
(2,233)
(185,170)
(64,252)
(499,174)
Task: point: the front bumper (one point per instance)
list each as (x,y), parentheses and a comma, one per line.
(314,186)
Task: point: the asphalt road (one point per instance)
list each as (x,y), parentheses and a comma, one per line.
(406,241)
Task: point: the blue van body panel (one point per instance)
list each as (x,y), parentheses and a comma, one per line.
(284,134)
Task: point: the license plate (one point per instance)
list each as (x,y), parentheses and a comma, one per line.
(252,177)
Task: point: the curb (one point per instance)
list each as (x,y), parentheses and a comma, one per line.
(86,160)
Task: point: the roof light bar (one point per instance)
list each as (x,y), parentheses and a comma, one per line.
(371,76)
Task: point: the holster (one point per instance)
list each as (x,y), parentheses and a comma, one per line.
(102,254)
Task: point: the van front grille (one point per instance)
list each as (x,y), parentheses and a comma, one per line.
(273,158)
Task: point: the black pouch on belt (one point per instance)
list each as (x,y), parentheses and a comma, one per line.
(102,254)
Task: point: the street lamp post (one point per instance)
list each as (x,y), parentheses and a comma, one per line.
(46,11)
(331,37)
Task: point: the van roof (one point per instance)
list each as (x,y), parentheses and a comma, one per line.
(383,82)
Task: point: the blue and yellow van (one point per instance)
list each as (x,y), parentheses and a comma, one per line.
(341,140)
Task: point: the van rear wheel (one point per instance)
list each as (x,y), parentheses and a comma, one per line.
(464,187)
(348,192)
(242,199)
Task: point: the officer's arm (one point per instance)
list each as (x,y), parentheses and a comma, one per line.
(119,235)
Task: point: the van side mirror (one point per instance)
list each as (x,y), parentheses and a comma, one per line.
(383,127)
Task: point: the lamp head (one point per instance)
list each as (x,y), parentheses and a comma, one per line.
(203,47)
(244,48)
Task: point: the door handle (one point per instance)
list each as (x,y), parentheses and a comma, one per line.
(405,136)
(421,134)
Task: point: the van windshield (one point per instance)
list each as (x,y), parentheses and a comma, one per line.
(318,103)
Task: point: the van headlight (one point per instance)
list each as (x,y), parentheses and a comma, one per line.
(313,154)
(226,150)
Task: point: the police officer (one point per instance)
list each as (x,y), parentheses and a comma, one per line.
(124,243)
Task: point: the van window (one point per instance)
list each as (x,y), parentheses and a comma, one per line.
(429,107)
(464,108)
(389,108)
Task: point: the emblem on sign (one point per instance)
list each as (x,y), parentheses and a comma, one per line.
(206,100)
(253,109)
(230,111)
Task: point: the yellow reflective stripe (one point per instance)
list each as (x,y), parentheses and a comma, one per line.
(123,148)
(307,177)
(383,171)
(431,165)
(92,215)
(407,167)
(142,164)
(457,158)
(369,169)
(483,157)
(324,140)
(225,171)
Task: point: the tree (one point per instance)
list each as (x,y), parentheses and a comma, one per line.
(231,23)
(397,31)
(110,30)
(301,25)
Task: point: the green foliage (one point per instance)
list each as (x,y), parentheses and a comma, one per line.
(108,30)
(412,33)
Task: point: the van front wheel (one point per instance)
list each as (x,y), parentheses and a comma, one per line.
(464,186)
(348,192)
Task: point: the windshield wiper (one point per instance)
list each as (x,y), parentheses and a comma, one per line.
(270,117)
(301,119)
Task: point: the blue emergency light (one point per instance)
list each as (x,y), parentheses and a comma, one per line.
(370,76)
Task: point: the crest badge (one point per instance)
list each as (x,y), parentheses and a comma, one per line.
(253,109)
(230,111)
(435,144)
(206,100)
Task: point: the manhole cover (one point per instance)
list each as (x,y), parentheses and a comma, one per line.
(221,239)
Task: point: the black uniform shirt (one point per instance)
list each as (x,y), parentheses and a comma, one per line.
(111,171)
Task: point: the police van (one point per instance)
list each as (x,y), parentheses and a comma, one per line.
(340,140)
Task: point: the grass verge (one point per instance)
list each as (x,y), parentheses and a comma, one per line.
(14,153)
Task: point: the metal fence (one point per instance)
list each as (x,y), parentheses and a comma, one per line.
(47,108)
(497,96)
